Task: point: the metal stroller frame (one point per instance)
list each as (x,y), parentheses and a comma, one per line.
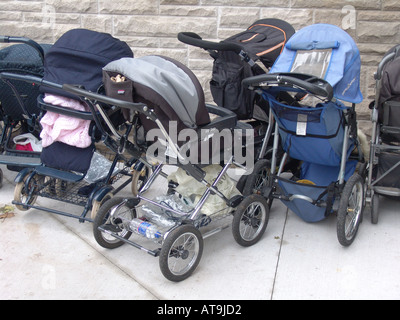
(179,247)
(376,185)
(20,109)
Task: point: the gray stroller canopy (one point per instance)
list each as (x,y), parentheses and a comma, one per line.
(160,79)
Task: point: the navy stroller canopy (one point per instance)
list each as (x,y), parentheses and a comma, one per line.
(78,57)
(328,52)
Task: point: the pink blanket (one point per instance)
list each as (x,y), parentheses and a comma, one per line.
(69,130)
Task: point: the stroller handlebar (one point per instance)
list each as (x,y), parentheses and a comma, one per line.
(308,83)
(33,44)
(80,92)
(139,107)
(383,63)
(195,40)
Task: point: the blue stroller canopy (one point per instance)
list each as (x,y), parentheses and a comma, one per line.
(328,52)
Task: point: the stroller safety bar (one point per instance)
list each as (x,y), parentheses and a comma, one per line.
(311,84)
(139,107)
(33,44)
(29,79)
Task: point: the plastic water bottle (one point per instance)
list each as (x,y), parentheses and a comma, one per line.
(144,228)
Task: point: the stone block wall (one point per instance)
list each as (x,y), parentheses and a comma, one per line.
(151,26)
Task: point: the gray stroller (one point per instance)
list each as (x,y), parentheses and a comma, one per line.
(169,101)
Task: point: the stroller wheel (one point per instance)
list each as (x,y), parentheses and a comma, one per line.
(241,183)
(139,178)
(258,179)
(27,193)
(375,208)
(112,215)
(350,210)
(97,204)
(250,220)
(181,253)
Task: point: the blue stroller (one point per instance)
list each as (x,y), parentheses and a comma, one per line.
(323,169)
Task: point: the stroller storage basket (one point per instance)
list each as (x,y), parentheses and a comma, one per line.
(307,201)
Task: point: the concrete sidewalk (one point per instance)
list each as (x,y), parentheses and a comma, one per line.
(46,256)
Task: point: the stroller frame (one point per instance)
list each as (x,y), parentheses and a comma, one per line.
(182,241)
(377,147)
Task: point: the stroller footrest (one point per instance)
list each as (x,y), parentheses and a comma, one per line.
(20,161)
(387,191)
(59,174)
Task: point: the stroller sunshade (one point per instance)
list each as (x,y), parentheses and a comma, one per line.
(170,87)
(313,44)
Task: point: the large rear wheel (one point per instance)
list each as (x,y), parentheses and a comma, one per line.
(350,210)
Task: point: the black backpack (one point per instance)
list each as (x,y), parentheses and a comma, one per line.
(263,42)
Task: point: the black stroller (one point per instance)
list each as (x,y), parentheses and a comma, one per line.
(19,113)
(71,171)
(383,176)
(249,53)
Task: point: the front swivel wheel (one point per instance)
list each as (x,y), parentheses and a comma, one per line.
(181,253)
(250,220)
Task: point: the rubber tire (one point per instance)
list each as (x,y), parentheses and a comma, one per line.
(343,210)
(101,216)
(261,167)
(18,193)
(166,249)
(96,205)
(241,183)
(375,209)
(238,219)
(139,176)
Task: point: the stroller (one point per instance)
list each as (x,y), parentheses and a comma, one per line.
(70,170)
(323,169)
(168,100)
(249,53)
(384,154)
(19,113)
